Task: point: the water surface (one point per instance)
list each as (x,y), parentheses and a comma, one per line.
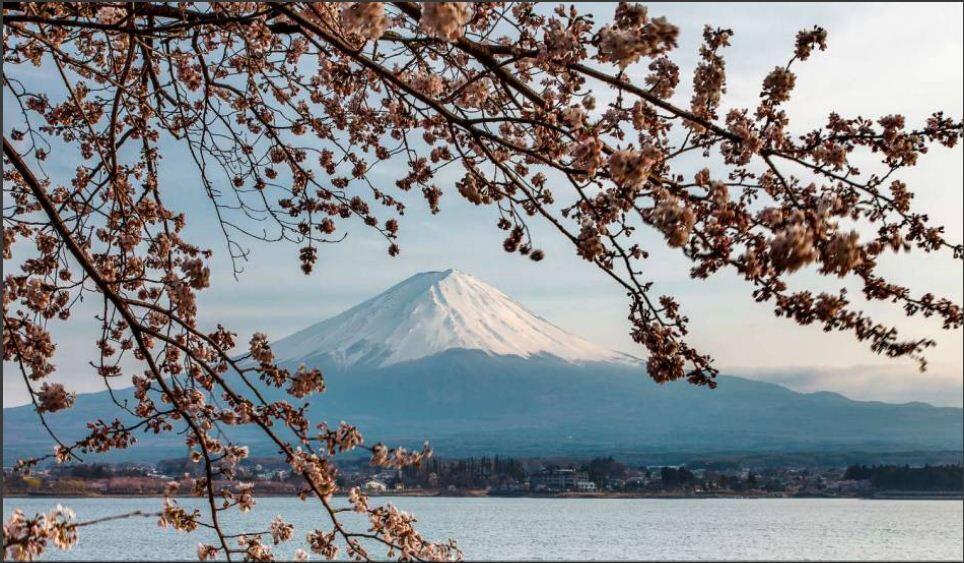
(531,528)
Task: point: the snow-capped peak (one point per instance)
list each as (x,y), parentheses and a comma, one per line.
(436,311)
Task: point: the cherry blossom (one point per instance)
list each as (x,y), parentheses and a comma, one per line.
(304,121)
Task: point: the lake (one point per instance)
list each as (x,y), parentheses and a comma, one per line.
(546,528)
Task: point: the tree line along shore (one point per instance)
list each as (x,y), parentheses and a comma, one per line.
(602,477)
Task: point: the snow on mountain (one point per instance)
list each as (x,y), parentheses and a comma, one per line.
(436,311)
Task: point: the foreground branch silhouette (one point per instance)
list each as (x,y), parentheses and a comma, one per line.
(286,111)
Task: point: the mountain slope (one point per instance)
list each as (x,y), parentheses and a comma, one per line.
(445,358)
(466,402)
(432,312)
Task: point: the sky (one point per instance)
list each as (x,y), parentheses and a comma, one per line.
(882,59)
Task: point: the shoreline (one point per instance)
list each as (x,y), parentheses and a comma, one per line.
(882,495)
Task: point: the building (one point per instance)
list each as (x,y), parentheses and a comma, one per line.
(853,486)
(375,486)
(557,479)
(585,486)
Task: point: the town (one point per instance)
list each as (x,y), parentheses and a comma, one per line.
(495,476)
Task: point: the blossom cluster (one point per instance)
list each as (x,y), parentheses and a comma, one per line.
(25,539)
(634,35)
(445,20)
(366,20)
(631,168)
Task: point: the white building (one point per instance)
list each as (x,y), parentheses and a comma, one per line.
(375,486)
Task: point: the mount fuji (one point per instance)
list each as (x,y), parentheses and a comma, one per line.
(444,357)
(432,312)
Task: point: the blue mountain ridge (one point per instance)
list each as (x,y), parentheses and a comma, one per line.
(468,402)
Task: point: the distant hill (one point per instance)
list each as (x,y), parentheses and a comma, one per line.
(458,363)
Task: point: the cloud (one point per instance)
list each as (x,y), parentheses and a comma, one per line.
(891,384)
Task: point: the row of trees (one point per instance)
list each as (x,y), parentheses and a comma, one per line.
(103,470)
(468,473)
(906,478)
